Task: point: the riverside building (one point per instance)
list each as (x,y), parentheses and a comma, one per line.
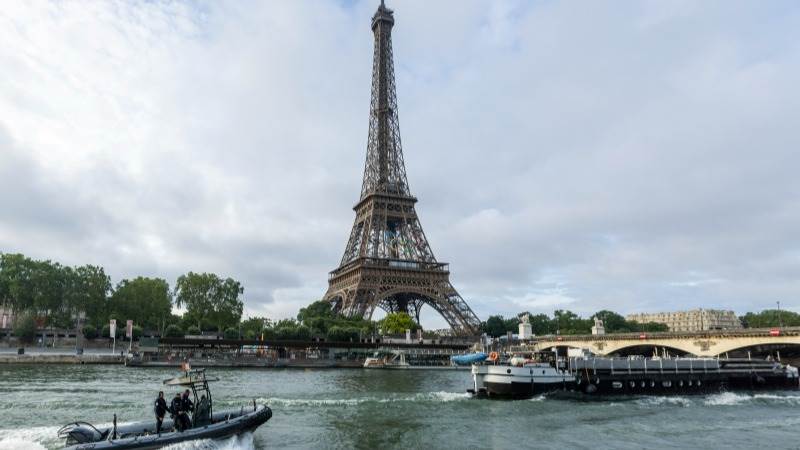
(693,320)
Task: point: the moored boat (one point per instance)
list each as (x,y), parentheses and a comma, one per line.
(387,360)
(205,423)
(524,376)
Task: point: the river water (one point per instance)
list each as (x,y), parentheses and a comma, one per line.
(382,409)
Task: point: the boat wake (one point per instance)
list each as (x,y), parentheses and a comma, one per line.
(42,438)
(734,399)
(436,397)
(242,442)
(36,438)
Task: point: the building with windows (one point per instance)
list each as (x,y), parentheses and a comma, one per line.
(692,320)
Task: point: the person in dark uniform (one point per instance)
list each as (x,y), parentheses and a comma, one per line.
(175,408)
(201,413)
(187,406)
(160,409)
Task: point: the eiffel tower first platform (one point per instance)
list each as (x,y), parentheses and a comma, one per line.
(388,262)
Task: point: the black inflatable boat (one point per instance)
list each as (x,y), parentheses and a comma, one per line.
(206,424)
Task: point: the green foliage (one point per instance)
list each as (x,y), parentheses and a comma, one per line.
(137,332)
(397,323)
(231,333)
(494,326)
(269,334)
(770,318)
(173,331)
(106,331)
(193,330)
(343,334)
(292,333)
(146,301)
(208,297)
(25,327)
(55,292)
(541,324)
(319,318)
(252,327)
(567,322)
(613,322)
(318,309)
(89,332)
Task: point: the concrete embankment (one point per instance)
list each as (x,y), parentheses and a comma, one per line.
(256,363)
(49,358)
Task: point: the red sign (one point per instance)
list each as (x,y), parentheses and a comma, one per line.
(774,332)
(642,336)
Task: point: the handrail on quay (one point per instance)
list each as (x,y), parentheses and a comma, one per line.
(744,332)
(184,342)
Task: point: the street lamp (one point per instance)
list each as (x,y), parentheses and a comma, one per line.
(780,322)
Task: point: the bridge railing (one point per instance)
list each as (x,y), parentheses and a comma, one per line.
(743,332)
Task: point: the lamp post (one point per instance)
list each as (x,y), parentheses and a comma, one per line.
(780,322)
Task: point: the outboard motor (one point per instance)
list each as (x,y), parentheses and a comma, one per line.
(80,433)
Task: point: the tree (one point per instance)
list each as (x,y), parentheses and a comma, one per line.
(89,293)
(567,322)
(173,331)
(318,309)
(398,323)
(57,293)
(146,301)
(25,327)
(495,326)
(252,326)
(769,318)
(89,332)
(612,322)
(207,297)
(231,333)
(106,331)
(343,334)
(193,330)
(541,324)
(289,332)
(16,277)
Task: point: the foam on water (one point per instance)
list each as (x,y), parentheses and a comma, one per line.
(243,442)
(27,438)
(40,438)
(664,400)
(439,396)
(733,399)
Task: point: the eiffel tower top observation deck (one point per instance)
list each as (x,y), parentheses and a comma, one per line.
(388,262)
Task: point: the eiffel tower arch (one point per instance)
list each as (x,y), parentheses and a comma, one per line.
(388,262)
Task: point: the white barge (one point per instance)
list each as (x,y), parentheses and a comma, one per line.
(524,376)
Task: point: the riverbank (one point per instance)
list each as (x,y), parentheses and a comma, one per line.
(60,358)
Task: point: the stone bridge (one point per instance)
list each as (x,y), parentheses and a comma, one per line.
(705,343)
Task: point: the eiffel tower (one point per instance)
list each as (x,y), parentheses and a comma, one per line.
(388,262)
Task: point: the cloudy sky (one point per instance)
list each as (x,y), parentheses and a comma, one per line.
(634,156)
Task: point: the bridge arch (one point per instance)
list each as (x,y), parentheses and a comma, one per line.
(739,347)
(649,348)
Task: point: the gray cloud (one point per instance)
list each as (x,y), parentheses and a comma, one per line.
(631,156)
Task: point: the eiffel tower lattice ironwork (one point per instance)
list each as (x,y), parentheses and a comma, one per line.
(387,262)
